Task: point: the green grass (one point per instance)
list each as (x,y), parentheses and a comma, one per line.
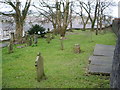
(64,69)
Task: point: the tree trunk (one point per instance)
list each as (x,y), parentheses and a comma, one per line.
(84,27)
(19,31)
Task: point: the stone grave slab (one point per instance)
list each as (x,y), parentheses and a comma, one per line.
(103,50)
(101,59)
(100,69)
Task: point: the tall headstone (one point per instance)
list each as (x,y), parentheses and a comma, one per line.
(115,74)
(39,67)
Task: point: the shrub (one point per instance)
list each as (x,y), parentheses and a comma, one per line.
(37,29)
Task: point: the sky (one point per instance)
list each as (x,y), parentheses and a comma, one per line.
(113,10)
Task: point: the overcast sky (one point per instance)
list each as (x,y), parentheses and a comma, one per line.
(114,10)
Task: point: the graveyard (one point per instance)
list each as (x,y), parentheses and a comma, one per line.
(62,68)
(59,44)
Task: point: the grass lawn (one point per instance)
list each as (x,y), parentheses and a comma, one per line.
(64,69)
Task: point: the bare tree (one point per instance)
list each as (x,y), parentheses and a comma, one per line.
(102,8)
(84,17)
(18,15)
(57,13)
(95,10)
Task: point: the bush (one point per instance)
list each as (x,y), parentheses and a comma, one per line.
(37,29)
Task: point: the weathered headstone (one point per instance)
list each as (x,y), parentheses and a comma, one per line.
(12,37)
(35,39)
(115,74)
(52,36)
(26,37)
(48,39)
(61,42)
(30,41)
(77,48)
(10,47)
(40,68)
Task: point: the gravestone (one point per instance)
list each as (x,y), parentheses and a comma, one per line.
(35,39)
(30,41)
(26,37)
(103,50)
(39,67)
(100,69)
(61,41)
(101,61)
(12,37)
(48,39)
(52,36)
(115,74)
(77,48)
(10,47)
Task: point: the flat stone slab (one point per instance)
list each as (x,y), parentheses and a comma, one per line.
(103,50)
(100,69)
(100,59)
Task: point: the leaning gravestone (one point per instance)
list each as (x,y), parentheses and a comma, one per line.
(115,74)
(40,68)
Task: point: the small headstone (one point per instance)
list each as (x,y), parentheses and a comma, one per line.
(10,47)
(40,67)
(35,39)
(30,41)
(48,39)
(61,41)
(12,37)
(26,37)
(77,48)
(52,36)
